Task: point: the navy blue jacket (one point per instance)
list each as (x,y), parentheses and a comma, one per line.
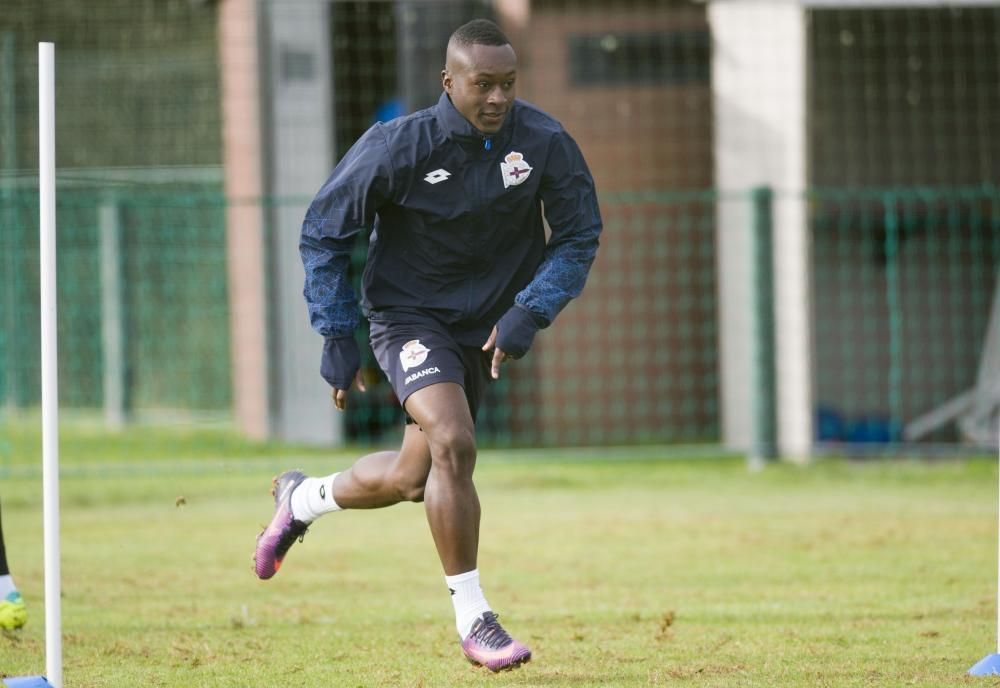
(457,228)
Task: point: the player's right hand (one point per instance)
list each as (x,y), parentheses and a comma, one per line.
(340,395)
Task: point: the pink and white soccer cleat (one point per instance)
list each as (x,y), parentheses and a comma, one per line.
(489,645)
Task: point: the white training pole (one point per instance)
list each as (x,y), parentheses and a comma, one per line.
(50,380)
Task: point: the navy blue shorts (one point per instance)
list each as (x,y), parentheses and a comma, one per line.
(417,355)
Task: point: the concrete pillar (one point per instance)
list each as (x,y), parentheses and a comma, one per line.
(301,156)
(244,186)
(758,81)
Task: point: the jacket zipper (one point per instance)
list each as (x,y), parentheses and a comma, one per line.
(480,202)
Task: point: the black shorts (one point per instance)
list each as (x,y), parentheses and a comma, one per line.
(417,355)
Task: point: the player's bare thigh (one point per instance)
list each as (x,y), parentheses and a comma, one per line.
(442,412)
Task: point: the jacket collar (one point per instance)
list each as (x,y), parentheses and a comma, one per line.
(457,127)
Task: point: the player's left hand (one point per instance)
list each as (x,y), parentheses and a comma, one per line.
(498,354)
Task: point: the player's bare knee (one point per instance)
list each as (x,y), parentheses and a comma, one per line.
(453,450)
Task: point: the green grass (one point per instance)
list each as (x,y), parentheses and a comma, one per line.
(617,572)
(85,447)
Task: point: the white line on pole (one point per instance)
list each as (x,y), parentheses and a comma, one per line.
(50,380)
(998,544)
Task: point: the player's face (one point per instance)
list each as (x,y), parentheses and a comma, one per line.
(480,81)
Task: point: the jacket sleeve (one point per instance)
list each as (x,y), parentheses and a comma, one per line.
(571,210)
(344,206)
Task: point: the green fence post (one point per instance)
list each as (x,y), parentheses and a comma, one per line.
(895,313)
(763,446)
(114,390)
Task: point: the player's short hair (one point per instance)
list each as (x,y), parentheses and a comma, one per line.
(478,32)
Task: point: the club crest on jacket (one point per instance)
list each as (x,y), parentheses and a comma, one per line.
(515,169)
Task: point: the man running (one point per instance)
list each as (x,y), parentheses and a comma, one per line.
(459,278)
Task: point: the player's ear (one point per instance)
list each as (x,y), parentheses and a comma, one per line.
(446,81)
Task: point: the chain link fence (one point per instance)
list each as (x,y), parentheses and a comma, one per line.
(684,324)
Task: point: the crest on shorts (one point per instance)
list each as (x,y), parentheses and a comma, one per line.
(514,169)
(413,354)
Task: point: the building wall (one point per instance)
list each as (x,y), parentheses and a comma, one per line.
(635,357)
(635,135)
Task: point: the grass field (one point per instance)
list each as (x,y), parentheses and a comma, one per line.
(630,570)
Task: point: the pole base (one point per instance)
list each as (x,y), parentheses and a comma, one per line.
(987,666)
(27,682)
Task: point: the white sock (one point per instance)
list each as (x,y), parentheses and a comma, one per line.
(313,498)
(6,586)
(468,600)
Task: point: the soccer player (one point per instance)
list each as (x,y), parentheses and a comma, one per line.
(13,615)
(459,278)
